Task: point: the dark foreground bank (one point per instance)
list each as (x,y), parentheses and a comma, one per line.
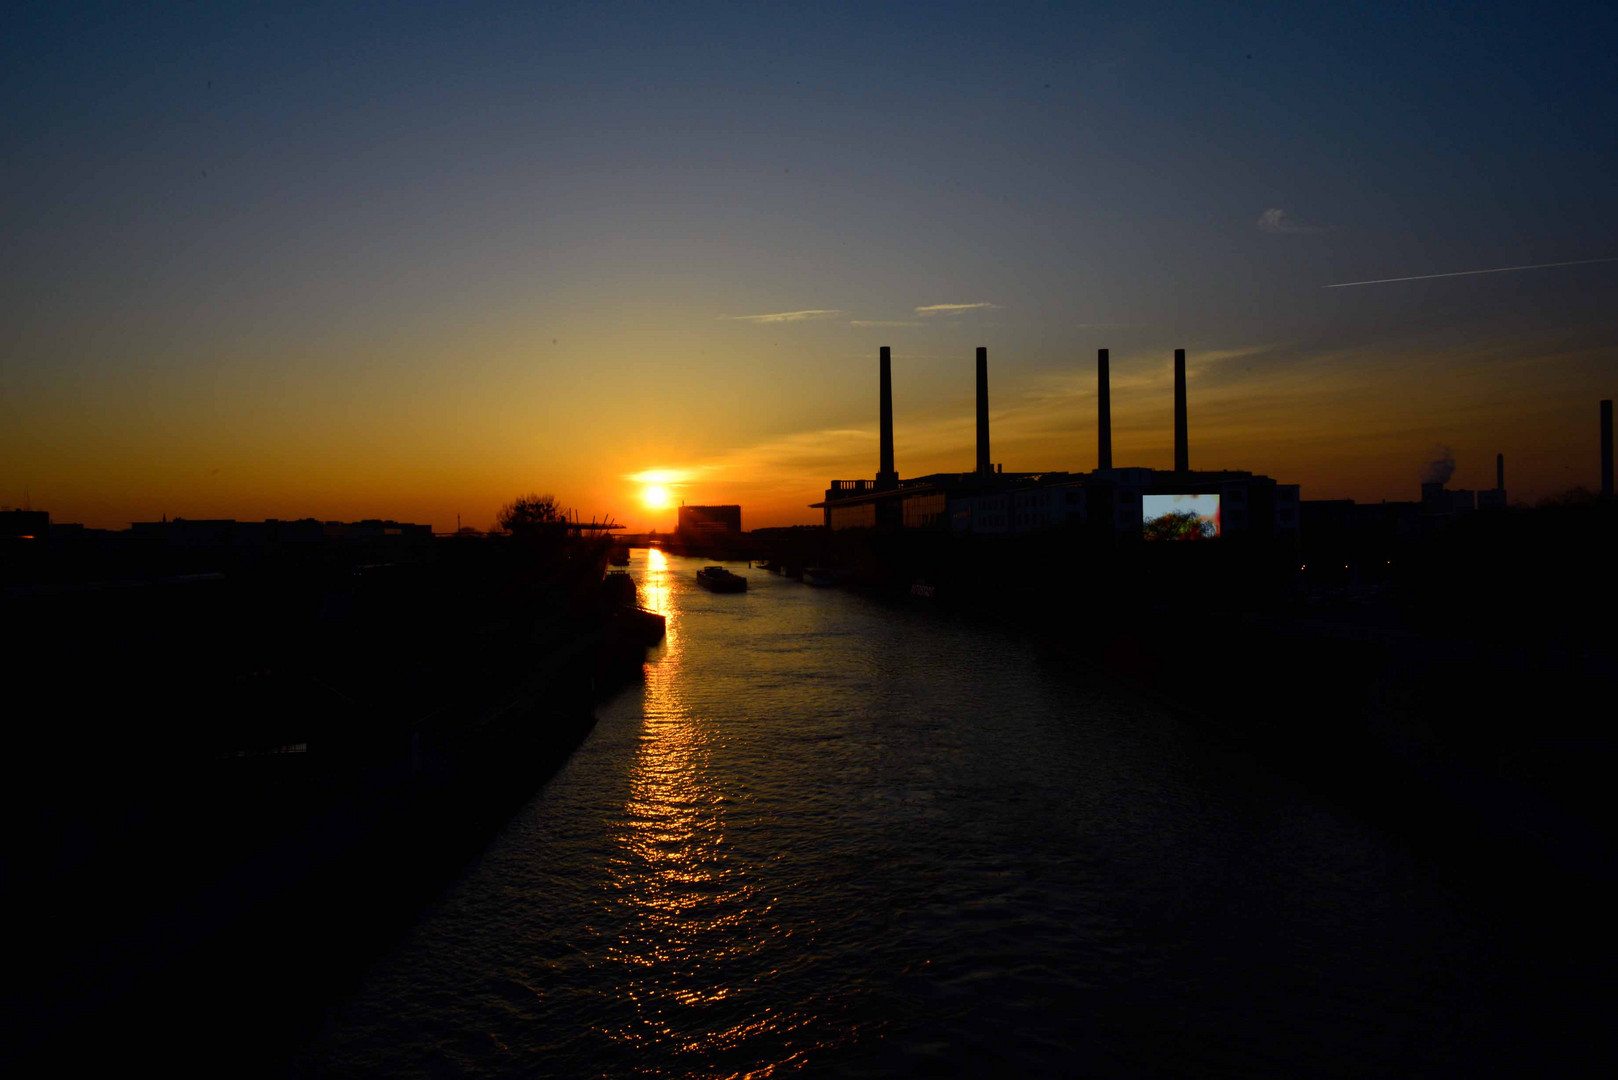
(239,785)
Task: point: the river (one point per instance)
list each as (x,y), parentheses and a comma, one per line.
(834,835)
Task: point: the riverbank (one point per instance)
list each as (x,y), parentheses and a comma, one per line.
(324,754)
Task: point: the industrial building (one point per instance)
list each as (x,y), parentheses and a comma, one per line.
(227,532)
(25,524)
(709,520)
(1105,503)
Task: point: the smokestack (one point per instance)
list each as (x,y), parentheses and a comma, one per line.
(983,412)
(885,476)
(1500,472)
(1103,411)
(1606,449)
(1182,456)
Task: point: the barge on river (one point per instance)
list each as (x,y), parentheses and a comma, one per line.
(718,579)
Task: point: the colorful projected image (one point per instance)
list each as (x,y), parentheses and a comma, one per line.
(1180,517)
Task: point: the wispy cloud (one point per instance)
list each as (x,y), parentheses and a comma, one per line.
(883,322)
(1276,220)
(1468,273)
(660,476)
(785,316)
(954,309)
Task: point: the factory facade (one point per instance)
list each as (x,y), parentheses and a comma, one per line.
(1105,503)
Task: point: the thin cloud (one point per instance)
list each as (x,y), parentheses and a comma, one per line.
(1468,273)
(1276,221)
(883,322)
(659,476)
(784,316)
(954,309)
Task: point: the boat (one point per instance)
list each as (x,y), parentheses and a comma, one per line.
(818,575)
(639,624)
(718,579)
(619,587)
(619,556)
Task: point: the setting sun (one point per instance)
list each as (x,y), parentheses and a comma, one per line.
(655,496)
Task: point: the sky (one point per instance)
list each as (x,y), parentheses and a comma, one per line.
(411,261)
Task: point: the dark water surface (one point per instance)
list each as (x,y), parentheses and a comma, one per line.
(833,835)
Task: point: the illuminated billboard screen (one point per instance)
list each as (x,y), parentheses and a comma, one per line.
(1180,517)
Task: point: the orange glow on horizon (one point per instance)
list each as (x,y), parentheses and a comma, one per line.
(1343,425)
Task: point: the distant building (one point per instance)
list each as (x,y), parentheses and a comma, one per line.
(710,519)
(1106,503)
(1103,502)
(32,524)
(1438,499)
(227,532)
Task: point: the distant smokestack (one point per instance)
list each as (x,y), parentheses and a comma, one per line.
(1182,457)
(983,411)
(1606,448)
(1500,472)
(1103,411)
(885,476)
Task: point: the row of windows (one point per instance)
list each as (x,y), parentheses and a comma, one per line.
(1072,498)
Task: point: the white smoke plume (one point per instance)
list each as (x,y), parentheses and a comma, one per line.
(1441,468)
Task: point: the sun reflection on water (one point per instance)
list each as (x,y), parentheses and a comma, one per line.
(698,933)
(654,585)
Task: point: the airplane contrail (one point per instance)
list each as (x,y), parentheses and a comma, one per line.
(1465,273)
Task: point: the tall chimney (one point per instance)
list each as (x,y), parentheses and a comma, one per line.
(983,412)
(1103,411)
(1500,472)
(1606,448)
(1182,456)
(885,476)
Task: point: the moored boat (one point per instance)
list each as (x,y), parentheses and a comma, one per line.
(718,579)
(818,575)
(619,586)
(647,627)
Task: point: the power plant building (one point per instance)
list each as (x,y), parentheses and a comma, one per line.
(1107,502)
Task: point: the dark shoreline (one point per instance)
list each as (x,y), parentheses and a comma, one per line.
(201,906)
(251,962)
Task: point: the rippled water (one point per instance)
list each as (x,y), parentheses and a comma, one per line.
(837,835)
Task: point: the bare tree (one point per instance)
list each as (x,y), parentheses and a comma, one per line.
(529,513)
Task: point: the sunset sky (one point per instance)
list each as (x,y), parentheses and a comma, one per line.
(409,261)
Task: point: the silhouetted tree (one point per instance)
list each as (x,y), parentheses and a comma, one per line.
(529,514)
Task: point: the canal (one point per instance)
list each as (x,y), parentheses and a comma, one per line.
(833,835)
